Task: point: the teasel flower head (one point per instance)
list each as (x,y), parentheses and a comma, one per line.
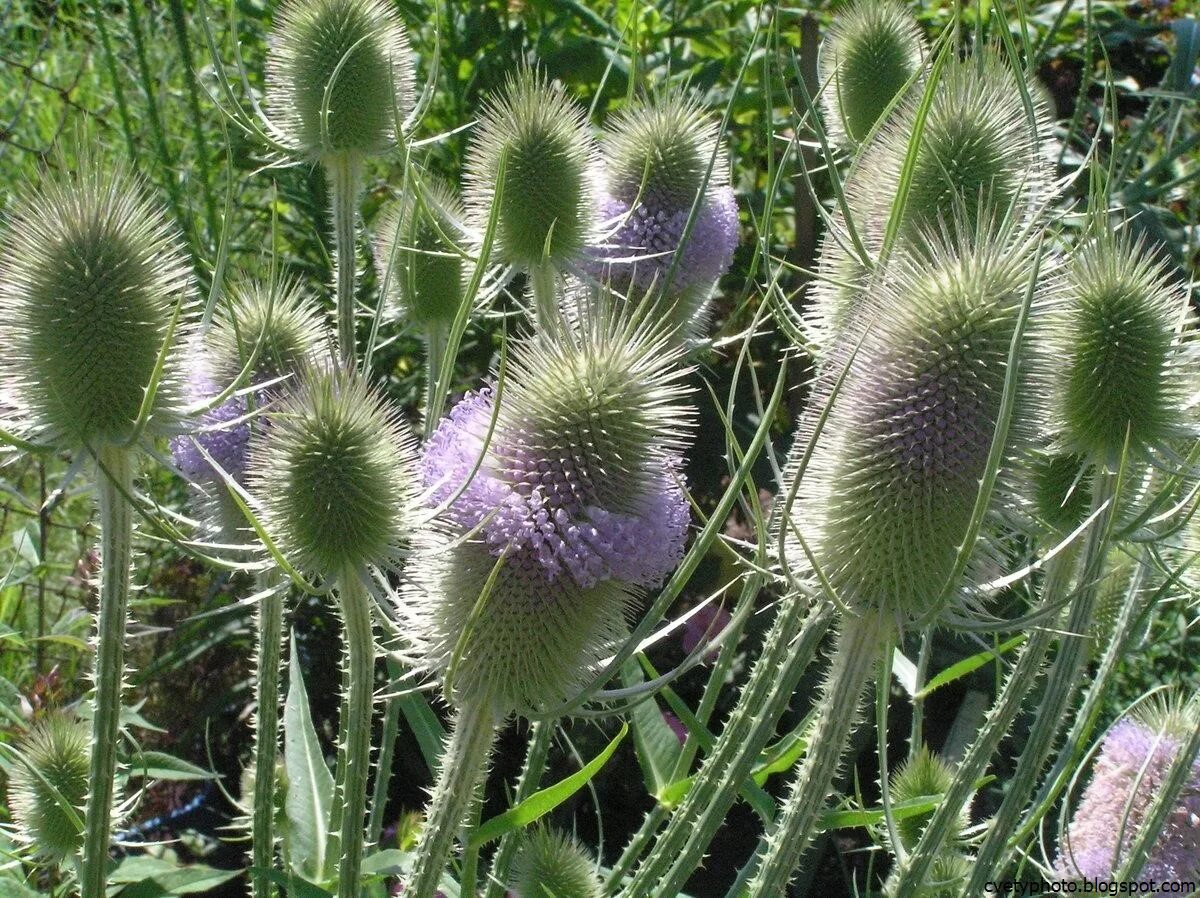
(552,863)
(93,283)
(663,158)
(47,787)
(870,53)
(895,470)
(339,77)
(947,875)
(1129,774)
(981,163)
(547,203)
(1123,366)
(336,475)
(424,275)
(842,280)
(922,776)
(280,329)
(576,500)
(1061,490)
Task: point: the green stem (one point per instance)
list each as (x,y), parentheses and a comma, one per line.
(854,662)
(114,482)
(469,878)
(345,175)
(1008,704)
(788,649)
(463,763)
(540,736)
(355,741)
(387,751)
(544,280)
(1061,683)
(266,734)
(435,352)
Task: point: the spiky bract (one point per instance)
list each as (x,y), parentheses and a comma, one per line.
(578,490)
(870,52)
(424,275)
(335,473)
(980,163)
(339,75)
(90,281)
(887,495)
(546,210)
(279,325)
(1116,343)
(553,865)
(1129,774)
(47,786)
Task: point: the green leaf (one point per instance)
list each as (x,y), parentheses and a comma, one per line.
(310,784)
(157,765)
(655,743)
(425,726)
(294,886)
(145,876)
(969,665)
(541,803)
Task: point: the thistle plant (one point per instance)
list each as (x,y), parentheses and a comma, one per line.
(550,863)
(93,289)
(555,522)
(538,140)
(335,473)
(667,212)
(872,50)
(47,786)
(276,332)
(339,82)
(1130,777)
(882,516)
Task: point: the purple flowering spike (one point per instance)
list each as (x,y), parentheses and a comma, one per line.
(226,444)
(1130,772)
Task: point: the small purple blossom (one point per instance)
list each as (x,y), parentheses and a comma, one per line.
(676,726)
(228,445)
(640,251)
(1091,846)
(540,509)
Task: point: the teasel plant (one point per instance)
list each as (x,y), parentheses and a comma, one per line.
(562,497)
(1122,366)
(888,517)
(95,308)
(553,863)
(267,333)
(531,167)
(667,215)
(333,481)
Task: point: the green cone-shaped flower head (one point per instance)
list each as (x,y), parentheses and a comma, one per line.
(1061,490)
(47,786)
(335,474)
(546,209)
(871,51)
(923,776)
(979,163)
(281,321)
(660,151)
(92,280)
(339,76)
(550,864)
(1122,367)
(424,274)
(885,501)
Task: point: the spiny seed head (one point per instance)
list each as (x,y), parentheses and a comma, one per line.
(47,780)
(546,210)
(924,776)
(1118,352)
(339,76)
(895,470)
(91,278)
(1062,490)
(980,161)
(550,864)
(281,321)
(335,474)
(1128,776)
(424,275)
(870,53)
